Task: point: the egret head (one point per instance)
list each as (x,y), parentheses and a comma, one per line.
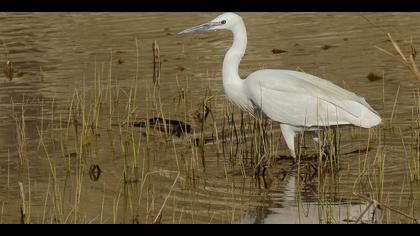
(225,21)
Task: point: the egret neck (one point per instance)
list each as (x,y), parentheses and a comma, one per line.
(234,55)
(232,82)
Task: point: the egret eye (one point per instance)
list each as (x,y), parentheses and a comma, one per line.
(223,22)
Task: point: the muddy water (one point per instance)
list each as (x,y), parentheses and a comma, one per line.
(56,53)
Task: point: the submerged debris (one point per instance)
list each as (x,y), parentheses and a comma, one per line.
(413,51)
(278,51)
(204,141)
(176,127)
(326,47)
(94,172)
(374,77)
(8,69)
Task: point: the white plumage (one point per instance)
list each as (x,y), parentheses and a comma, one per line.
(298,101)
(308,100)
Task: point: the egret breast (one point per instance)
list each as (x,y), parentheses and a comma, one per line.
(237,96)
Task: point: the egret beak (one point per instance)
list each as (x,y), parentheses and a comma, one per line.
(202,27)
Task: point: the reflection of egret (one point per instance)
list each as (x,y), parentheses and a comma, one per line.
(290,203)
(297,100)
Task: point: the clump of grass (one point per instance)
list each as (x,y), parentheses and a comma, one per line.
(20,132)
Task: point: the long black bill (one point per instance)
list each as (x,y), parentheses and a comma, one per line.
(202,27)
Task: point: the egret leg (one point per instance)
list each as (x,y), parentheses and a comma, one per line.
(324,145)
(289,136)
(315,137)
(318,141)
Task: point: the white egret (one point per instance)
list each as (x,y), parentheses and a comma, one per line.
(298,101)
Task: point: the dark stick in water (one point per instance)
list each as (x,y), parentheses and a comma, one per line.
(177,127)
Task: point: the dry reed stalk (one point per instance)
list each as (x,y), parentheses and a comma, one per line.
(410,62)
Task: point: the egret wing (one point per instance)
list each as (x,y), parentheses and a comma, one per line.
(301,99)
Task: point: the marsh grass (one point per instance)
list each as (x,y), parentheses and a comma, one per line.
(408,61)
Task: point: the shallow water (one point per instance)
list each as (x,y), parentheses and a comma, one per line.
(56,53)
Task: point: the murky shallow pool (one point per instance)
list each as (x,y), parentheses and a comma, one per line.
(80,76)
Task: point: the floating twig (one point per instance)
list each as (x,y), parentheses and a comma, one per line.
(380,205)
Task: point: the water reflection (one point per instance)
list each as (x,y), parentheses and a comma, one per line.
(289,205)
